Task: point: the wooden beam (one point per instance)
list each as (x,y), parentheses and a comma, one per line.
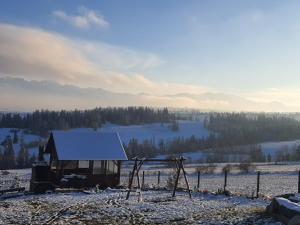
(138,164)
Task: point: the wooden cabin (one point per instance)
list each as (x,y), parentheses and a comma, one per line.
(79,159)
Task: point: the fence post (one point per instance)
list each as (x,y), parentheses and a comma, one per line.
(143,180)
(258,180)
(299,182)
(225,180)
(158,178)
(129,177)
(198,182)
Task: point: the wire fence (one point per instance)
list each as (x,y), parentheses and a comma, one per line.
(270,183)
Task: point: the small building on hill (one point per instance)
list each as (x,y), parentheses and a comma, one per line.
(79,159)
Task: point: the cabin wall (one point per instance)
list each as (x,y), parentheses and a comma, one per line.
(104,173)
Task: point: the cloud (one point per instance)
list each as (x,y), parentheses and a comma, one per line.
(118,57)
(21,95)
(36,54)
(288,95)
(85,19)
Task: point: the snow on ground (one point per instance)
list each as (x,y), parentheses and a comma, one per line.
(273,147)
(274,179)
(110,207)
(156,207)
(268,148)
(4,132)
(23,177)
(155,131)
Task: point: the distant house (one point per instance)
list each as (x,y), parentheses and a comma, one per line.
(80,159)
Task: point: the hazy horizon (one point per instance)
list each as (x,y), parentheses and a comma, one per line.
(207,55)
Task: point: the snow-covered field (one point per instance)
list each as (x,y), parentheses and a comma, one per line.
(155,131)
(268,148)
(154,207)
(274,179)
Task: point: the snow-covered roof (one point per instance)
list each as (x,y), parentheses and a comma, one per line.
(88,145)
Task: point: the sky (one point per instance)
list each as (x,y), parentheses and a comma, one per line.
(164,50)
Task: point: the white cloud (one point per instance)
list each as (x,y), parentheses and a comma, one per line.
(34,54)
(86,18)
(39,55)
(118,57)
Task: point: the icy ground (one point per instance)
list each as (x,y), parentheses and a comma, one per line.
(110,207)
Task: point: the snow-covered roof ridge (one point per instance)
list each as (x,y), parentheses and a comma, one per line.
(88,145)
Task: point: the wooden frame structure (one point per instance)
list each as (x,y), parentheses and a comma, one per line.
(78,160)
(138,164)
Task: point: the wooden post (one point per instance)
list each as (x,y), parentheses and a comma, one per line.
(299,181)
(225,180)
(143,180)
(131,179)
(136,168)
(258,180)
(184,174)
(138,179)
(158,178)
(177,178)
(129,175)
(198,182)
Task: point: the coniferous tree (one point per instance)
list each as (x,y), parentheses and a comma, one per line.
(15,139)
(9,154)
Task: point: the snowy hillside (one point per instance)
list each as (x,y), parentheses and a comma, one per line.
(268,148)
(155,131)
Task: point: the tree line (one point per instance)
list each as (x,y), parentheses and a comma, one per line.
(233,129)
(41,122)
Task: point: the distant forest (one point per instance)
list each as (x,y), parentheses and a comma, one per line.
(242,128)
(231,134)
(41,122)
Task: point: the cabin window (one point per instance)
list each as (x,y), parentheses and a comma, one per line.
(99,167)
(71,164)
(83,164)
(112,167)
(105,167)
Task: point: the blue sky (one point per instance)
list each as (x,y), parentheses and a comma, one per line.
(246,48)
